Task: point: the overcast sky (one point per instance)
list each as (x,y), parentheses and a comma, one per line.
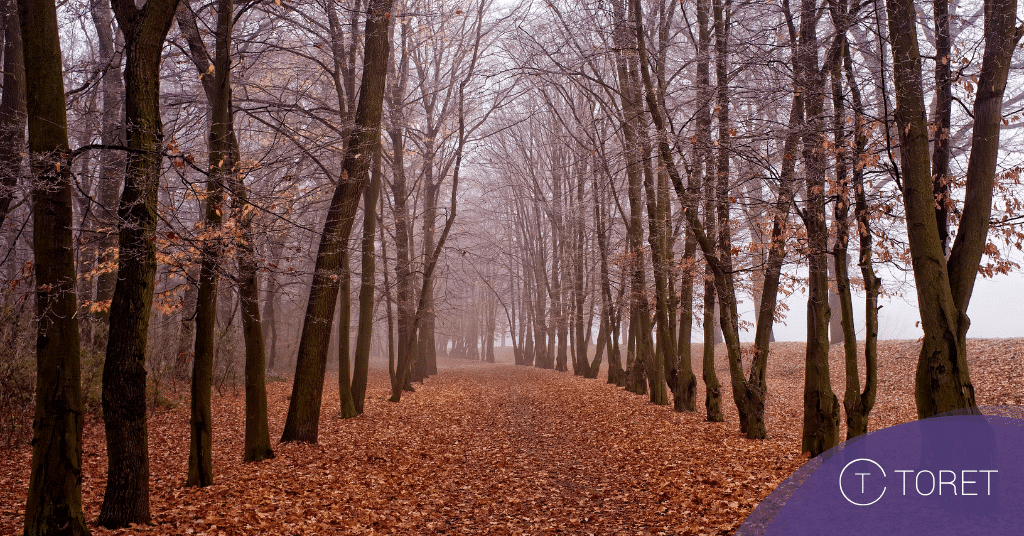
(995,311)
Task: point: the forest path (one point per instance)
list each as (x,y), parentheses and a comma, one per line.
(500,449)
(495,449)
(478,449)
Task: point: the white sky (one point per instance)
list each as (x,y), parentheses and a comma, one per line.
(994,312)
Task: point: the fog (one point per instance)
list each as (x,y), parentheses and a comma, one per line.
(992,311)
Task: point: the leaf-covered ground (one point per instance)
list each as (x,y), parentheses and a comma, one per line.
(498,449)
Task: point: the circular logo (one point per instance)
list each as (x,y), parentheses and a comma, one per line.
(862,476)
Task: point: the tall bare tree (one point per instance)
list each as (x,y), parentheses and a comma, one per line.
(944,287)
(54,504)
(303,419)
(126,499)
(821,407)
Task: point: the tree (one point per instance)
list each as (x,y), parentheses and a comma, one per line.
(627,17)
(112,162)
(344,82)
(944,287)
(126,499)
(400,192)
(366,289)
(942,119)
(858,404)
(425,304)
(680,379)
(703,171)
(54,504)
(821,407)
(222,162)
(748,394)
(225,172)
(12,109)
(307,389)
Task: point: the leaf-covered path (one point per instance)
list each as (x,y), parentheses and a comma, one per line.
(537,451)
(494,449)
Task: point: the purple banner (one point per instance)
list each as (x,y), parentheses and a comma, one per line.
(957,473)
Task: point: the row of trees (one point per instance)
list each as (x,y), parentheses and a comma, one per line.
(752,140)
(630,167)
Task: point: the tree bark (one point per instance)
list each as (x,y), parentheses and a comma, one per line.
(270,304)
(941,150)
(54,503)
(430,262)
(728,317)
(859,409)
(821,407)
(257,434)
(112,163)
(944,288)
(366,289)
(841,223)
(608,307)
(717,254)
(222,162)
(558,239)
(757,386)
(304,407)
(12,109)
(704,168)
(399,76)
(640,329)
(347,405)
(425,363)
(126,499)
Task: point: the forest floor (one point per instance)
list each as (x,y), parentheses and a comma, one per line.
(498,449)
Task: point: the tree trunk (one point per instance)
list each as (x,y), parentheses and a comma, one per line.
(821,407)
(944,288)
(307,391)
(270,313)
(666,349)
(607,301)
(200,467)
(581,363)
(12,109)
(705,171)
(257,434)
(857,413)
(126,499)
(112,163)
(430,262)
(681,380)
(186,331)
(399,75)
(728,316)
(257,429)
(54,504)
(642,362)
(856,421)
(688,275)
(426,356)
(86,251)
(368,279)
(542,358)
(558,263)
(757,386)
(835,322)
(720,265)
(222,163)
(941,121)
(348,406)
